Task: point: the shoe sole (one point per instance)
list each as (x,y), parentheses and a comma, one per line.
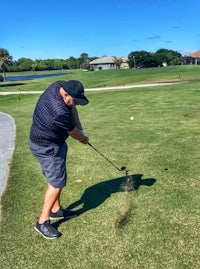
(60,218)
(50,238)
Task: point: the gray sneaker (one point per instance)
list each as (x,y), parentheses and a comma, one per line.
(47,230)
(63,214)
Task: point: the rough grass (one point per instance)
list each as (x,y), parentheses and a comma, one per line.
(160,218)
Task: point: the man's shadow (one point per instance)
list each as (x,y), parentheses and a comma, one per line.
(96,194)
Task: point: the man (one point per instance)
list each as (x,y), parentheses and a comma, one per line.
(54,119)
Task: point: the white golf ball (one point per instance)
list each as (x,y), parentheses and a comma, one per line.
(131,118)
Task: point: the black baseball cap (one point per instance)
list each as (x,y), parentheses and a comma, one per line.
(76,90)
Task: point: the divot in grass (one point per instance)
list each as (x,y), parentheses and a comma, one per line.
(125,210)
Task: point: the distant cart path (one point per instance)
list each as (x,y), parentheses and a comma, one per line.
(101,89)
(7,144)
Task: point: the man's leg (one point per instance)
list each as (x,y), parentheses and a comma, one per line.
(56,205)
(51,202)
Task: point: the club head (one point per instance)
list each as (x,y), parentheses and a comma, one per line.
(123,168)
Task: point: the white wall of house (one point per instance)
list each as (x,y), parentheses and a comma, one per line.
(124,66)
(103,66)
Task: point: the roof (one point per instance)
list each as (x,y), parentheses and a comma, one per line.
(103,60)
(195,54)
(108,60)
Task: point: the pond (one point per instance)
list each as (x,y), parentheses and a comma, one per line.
(29,77)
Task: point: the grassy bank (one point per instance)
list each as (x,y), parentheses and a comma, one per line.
(161,149)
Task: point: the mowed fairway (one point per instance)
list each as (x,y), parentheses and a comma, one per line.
(161,149)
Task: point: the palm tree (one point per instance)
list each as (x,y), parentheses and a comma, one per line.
(118,61)
(5,60)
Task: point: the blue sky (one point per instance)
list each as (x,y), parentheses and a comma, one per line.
(63,28)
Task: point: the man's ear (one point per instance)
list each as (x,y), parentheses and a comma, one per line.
(63,92)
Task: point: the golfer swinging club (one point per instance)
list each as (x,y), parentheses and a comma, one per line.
(54,119)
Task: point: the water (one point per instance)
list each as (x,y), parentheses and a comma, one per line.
(29,77)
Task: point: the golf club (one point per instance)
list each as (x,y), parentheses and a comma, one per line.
(123,168)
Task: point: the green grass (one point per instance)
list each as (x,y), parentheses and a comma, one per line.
(108,77)
(161,149)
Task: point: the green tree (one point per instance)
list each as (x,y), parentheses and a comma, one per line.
(84,61)
(170,57)
(146,59)
(72,62)
(5,61)
(58,64)
(139,59)
(25,64)
(40,65)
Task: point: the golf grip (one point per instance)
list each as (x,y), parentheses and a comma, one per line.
(103,156)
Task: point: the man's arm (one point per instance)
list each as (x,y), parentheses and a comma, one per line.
(76,134)
(76,119)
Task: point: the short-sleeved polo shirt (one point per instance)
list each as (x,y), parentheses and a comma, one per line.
(52,118)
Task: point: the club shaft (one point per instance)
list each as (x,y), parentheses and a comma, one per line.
(104,156)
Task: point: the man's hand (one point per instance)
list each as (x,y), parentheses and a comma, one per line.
(85,141)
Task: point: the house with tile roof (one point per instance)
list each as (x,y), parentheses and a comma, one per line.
(193,58)
(196,56)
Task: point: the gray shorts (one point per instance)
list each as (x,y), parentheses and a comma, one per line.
(52,159)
